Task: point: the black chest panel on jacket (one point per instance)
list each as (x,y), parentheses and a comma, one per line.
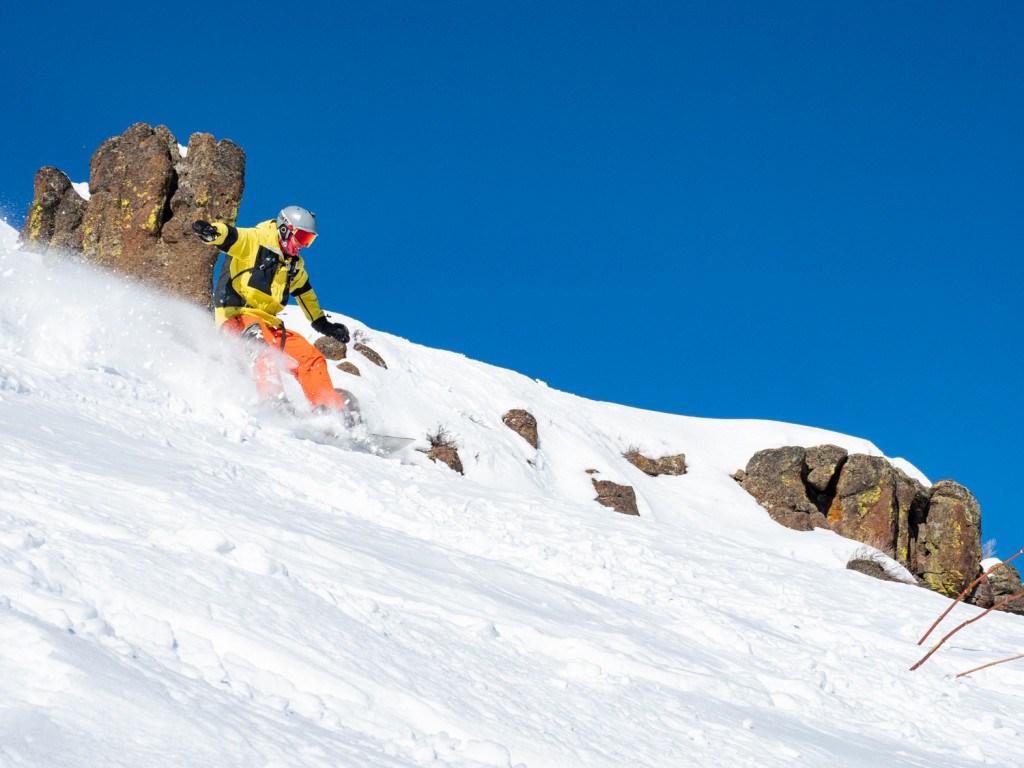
(264,271)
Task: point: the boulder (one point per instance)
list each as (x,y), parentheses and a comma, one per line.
(947,548)
(666,465)
(144,197)
(447,455)
(348,367)
(350,400)
(370,355)
(621,498)
(523,424)
(331,348)
(1003,583)
(775,478)
(874,502)
(444,447)
(934,533)
(872,562)
(869,567)
(981,595)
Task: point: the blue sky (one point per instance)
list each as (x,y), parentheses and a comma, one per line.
(799,211)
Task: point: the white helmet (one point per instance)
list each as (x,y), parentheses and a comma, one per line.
(296,227)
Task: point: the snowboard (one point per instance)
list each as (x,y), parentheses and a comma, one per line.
(347,430)
(356,438)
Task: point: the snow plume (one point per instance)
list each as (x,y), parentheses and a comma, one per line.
(183,584)
(71,331)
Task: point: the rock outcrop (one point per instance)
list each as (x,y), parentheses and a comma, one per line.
(523,424)
(144,196)
(933,532)
(55,216)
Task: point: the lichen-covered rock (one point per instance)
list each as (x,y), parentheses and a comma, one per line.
(331,348)
(823,461)
(523,424)
(144,196)
(866,505)
(211,178)
(54,220)
(948,548)
(131,184)
(666,465)
(912,500)
(934,533)
(210,181)
(370,355)
(348,367)
(621,498)
(775,478)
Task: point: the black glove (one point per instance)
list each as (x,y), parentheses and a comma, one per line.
(206,231)
(334,330)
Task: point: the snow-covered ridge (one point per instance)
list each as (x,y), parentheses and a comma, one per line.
(183,582)
(8,237)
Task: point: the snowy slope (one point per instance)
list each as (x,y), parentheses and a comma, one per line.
(183,582)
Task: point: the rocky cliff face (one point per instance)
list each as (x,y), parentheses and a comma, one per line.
(934,532)
(144,196)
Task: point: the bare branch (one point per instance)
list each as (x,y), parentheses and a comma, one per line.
(961,597)
(990,664)
(981,615)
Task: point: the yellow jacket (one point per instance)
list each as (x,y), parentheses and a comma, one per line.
(257,279)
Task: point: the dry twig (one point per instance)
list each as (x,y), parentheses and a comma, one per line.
(990,664)
(962,595)
(969,621)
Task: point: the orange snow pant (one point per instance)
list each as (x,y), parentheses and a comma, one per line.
(300,358)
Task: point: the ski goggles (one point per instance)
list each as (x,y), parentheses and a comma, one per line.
(304,238)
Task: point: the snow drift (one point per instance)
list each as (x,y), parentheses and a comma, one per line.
(183,583)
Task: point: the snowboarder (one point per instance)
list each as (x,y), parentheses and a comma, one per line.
(262,269)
